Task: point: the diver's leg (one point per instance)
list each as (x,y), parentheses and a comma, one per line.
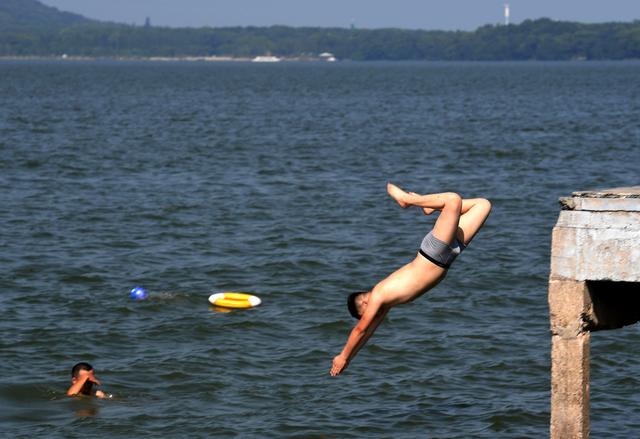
(448,203)
(474,213)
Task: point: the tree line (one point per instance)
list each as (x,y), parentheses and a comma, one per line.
(541,39)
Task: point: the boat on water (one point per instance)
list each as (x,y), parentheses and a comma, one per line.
(328,57)
(266,58)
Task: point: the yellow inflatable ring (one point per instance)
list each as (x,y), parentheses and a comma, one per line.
(234,300)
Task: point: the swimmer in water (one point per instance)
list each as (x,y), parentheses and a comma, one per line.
(82,381)
(458,222)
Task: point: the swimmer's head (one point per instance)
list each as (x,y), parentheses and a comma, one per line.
(75,374)
(357,303)
(75,371)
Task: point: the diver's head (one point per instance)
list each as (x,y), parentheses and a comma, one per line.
(357,303)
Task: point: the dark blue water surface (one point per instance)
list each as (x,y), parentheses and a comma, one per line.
(190,179)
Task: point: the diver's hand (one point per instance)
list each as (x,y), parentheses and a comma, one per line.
(340,363)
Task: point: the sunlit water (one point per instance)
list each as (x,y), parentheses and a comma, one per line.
(189,179)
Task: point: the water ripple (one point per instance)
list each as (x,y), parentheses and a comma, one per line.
(191,179)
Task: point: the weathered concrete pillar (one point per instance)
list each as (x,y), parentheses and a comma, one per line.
(594,284)
(568,303)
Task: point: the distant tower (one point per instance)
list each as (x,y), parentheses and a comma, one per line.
(353,24)
(147,22)
(506,14)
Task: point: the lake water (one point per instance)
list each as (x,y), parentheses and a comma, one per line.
(189,179)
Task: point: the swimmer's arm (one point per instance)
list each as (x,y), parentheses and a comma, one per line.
(83,377)
(76,387)
(358,337)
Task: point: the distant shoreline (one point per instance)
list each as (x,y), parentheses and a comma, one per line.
(28,28)
(231,59)
(213,59)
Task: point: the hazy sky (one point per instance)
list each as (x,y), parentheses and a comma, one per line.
(413,14)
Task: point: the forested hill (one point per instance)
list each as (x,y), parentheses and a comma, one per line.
(29,28)
(22,14)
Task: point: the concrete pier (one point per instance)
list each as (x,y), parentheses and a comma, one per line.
(594,285)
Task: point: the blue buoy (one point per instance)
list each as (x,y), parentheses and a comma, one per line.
(138,293)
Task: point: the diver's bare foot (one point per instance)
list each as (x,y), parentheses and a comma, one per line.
(398,194)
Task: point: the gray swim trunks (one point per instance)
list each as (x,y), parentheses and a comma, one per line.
(439,252)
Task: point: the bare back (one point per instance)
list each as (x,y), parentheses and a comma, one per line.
(409,282)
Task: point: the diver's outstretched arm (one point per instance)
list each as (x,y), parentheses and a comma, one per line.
(359,335)
(369,332)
